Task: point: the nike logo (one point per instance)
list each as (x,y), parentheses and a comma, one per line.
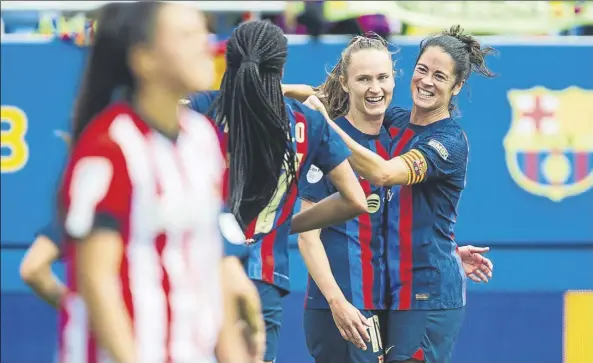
(388,349)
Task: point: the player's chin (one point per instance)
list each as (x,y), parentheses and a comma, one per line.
(378,110)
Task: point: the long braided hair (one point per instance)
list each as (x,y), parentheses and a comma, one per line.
(251,105)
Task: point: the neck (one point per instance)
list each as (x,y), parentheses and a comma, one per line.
(159,106)
(424,118)
(370,125)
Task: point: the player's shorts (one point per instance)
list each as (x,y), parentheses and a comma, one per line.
(326,345)
(424,335)
(271,300)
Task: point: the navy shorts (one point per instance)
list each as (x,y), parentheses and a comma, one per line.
(326,345)
(424,335)
(271,300)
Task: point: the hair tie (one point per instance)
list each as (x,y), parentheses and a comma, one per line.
(250,60)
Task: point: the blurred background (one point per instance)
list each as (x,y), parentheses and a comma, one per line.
(529,192)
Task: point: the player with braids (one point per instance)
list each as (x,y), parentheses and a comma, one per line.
(426,172)
(251,106)
(269,140)
(141,198)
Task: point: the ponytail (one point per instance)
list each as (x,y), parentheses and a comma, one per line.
(251,105)
(466,51)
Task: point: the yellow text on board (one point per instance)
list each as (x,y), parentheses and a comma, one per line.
(13,139)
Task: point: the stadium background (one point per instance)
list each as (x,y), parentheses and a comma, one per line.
(530,203)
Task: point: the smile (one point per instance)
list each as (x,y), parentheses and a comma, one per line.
(424,94)
(374,100)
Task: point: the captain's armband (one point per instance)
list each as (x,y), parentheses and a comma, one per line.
(417,166)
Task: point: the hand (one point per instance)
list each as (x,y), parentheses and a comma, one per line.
(353,326)
(477,267)
(313,102)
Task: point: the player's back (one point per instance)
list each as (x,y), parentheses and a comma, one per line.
(355,248)
(125,176)
(314,142)
(424,269)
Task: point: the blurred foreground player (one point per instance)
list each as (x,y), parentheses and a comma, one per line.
(427,270)
(269,140)
(35,269)
(141,198)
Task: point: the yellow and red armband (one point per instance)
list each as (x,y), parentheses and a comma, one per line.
(417,166)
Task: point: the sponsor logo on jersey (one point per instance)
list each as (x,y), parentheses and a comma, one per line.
(373,203)
(440,148)
(549,145)
(422,296)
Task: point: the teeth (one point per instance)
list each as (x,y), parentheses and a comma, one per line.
(424,93)
(374,99)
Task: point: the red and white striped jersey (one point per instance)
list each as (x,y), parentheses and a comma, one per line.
(164,196)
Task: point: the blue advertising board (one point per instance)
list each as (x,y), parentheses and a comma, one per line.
(530,173)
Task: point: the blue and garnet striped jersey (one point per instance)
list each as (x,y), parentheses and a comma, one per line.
(356,248)
(315,143)
(425,271)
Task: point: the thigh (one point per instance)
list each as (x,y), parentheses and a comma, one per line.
(422,335)
(271,300)
(326,345)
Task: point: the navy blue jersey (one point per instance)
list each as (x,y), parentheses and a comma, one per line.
(355,249)
(425,271)
(315,143)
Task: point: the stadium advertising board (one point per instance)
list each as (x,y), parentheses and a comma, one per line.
(530,130)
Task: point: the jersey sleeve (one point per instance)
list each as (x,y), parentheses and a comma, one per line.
(314,187)
(327,149)
(201,101)
(96,190)
(53,231)
(292,103)
(437,156)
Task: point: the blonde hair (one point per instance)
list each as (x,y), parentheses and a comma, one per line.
(335,99)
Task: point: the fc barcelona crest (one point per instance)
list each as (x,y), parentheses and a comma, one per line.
(549,146)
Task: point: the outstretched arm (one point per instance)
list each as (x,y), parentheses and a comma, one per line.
(371,166)
(346,204)
(299,92)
